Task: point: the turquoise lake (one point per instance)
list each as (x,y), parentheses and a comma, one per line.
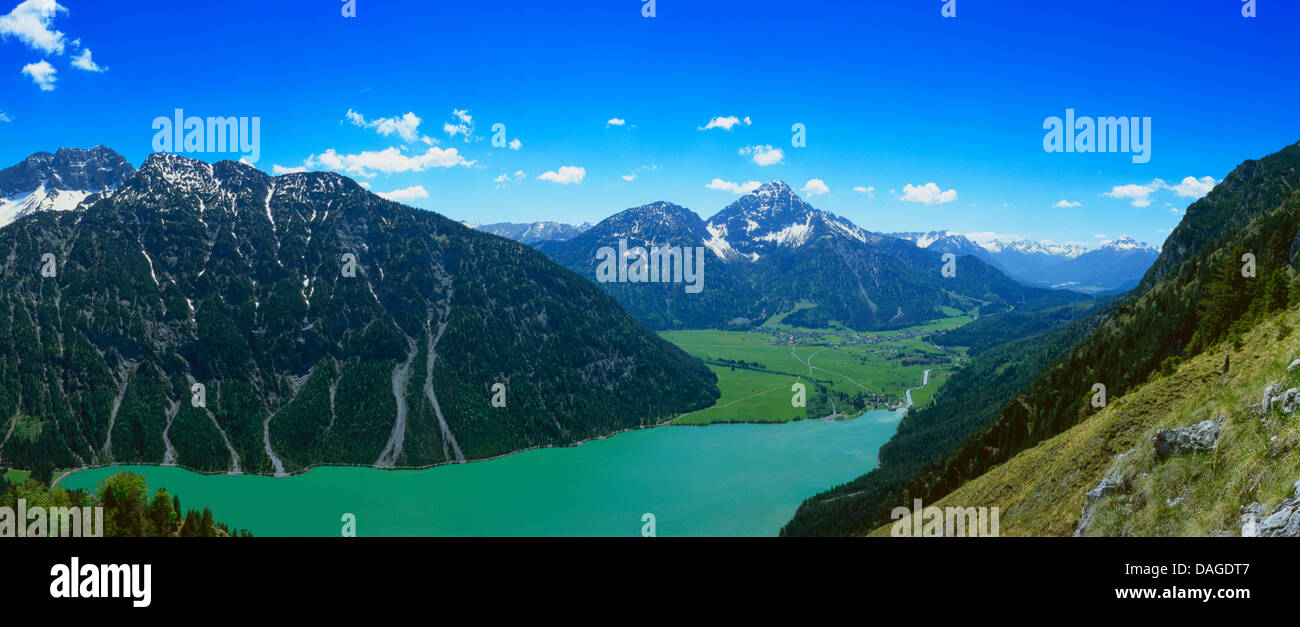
(719,480)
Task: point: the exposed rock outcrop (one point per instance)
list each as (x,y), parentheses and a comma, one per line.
(1287,401)
(1270,391)
(1111,483)
(1250,520)
(1284,522)
(1203,436)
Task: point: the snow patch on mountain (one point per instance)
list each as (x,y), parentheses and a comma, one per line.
(717,242)
(41,199)
(793,235)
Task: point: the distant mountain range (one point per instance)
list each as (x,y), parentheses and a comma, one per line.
(1114,266)
(323,323)
(532,233)
(770,252)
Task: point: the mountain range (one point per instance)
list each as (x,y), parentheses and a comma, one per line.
(217,318)
(1116,265)
(532,233)
(770,251)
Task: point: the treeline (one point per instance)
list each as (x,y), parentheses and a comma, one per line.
(129,510)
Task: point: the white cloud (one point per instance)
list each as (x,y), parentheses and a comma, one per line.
(42,73)
(4,117)
(735,188)
(30,23)
(764,155)
(407,194)
(615,122)
(565,175)
(1140,195)
(631,176)
(725,123)
(1193,188)
(869,190)
(388,161)
(1101,236)
(929,194)
(364,184)
(815,187)
(505,180)
(463,126)
(515,144)
(1065,204)
(407,126)
(84,62)
(278,169)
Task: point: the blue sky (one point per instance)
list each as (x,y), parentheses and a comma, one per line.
(892,95)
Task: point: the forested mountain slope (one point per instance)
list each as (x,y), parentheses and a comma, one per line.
(324,324)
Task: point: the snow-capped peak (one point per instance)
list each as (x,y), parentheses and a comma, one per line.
(774,216)
(59,181)
(1031,247)
(1126,243)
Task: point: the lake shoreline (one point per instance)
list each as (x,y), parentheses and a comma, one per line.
(672,423)
(743,480)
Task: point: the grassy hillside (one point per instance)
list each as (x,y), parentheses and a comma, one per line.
(1042,490)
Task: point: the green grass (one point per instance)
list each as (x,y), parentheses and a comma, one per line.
(923,396)
(16,476)
(748,396)
(778,321)
(828,357)
(1041,491)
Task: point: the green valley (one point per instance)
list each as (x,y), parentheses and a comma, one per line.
(846,372)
